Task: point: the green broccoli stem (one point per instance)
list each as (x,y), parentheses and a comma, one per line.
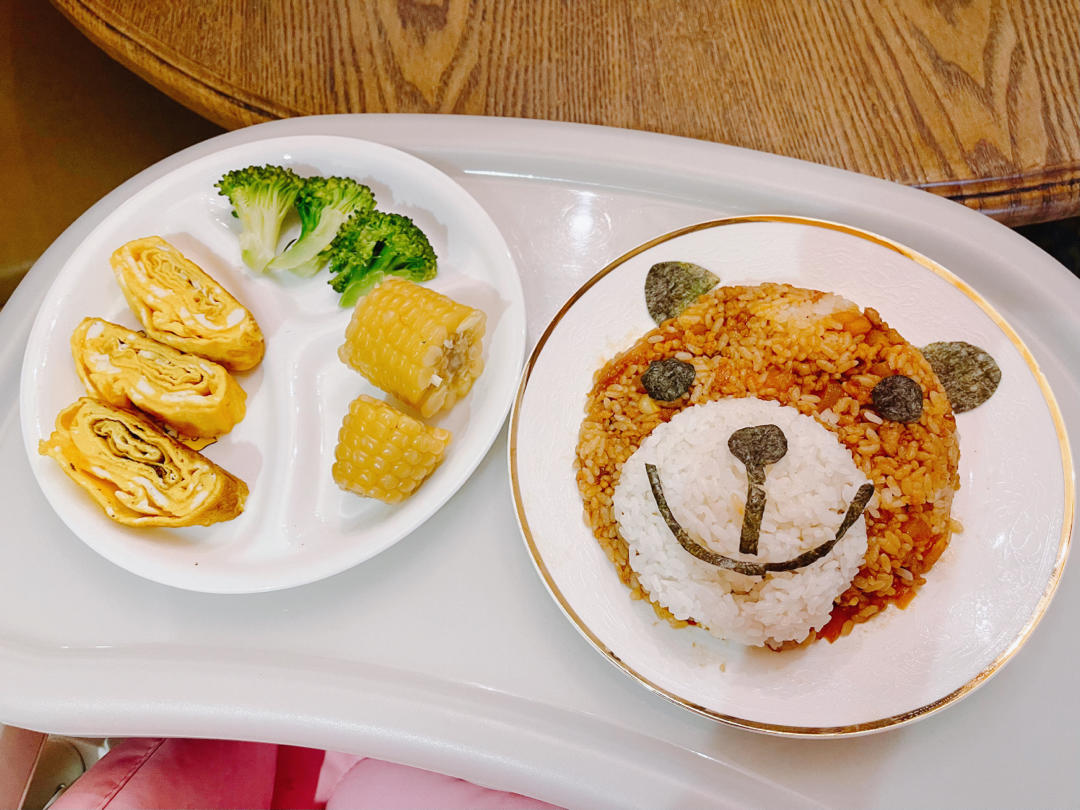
(309,219)
(360,287)
(364,278)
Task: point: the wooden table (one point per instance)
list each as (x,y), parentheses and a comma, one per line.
(978,101)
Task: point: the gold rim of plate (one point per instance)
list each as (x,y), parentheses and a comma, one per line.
(775,728)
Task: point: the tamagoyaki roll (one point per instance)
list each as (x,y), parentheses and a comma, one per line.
(138,474)
(179,304)
(194,396)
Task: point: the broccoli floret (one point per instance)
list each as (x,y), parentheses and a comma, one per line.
(261,197)
(324,203)
(369,248)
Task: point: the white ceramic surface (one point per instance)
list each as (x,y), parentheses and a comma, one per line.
(445,651)
(298,526)
(982,597)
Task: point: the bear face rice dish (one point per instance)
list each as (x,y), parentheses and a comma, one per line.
(841,513)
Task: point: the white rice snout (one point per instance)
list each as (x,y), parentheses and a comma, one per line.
(808,492)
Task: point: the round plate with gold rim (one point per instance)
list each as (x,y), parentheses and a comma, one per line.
(981,600)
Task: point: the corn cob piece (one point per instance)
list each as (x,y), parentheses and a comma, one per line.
(383,453)
(412,342)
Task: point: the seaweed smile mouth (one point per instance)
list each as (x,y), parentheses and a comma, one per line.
(755,447)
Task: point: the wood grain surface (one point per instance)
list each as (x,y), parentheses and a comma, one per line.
(977,100)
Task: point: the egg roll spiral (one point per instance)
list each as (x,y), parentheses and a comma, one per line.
(180,305)
(196,397)
(136,473)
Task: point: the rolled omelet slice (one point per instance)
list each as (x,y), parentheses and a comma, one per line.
(183,307)
(136,473)
(194,396)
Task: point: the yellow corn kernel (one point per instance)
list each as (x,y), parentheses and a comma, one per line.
(417,344)
(383,453)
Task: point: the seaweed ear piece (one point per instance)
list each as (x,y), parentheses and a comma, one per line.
(969,375)
(670,287)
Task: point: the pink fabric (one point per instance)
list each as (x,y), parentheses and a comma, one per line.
(372,783)
(176,773)
(335,766)
(296,778)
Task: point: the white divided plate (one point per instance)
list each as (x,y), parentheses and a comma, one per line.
(297,526)
(981,600)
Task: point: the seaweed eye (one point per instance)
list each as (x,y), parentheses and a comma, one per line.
(898,398)
(667,380)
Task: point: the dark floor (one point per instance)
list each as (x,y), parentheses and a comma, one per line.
(74,124)
(1060,239)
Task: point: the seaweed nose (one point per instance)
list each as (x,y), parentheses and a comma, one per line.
(755,447)
(758,445)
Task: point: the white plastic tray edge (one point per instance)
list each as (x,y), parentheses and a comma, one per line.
(512,744)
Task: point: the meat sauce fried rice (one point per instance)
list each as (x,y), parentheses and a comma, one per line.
(822,356)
